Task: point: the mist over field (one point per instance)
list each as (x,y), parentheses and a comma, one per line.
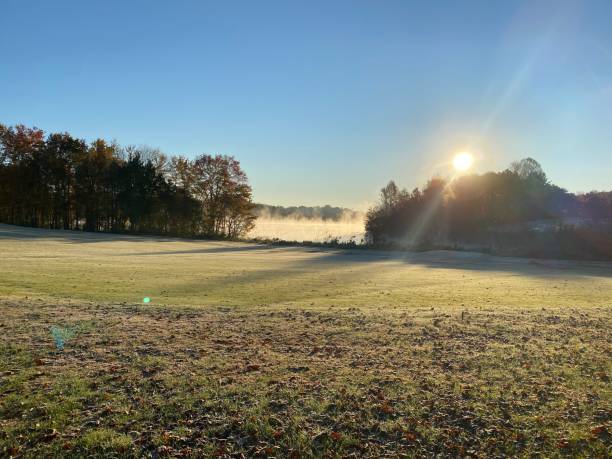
(315,224)
(315,230)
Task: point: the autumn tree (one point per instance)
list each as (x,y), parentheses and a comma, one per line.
(220,184)
(61,182)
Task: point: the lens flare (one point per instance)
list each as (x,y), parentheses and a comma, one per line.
(463,161)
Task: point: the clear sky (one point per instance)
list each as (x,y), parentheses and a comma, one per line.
(323,101)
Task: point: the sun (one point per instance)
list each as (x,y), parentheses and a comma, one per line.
(463,161)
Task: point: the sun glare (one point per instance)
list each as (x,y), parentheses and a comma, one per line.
(463,161)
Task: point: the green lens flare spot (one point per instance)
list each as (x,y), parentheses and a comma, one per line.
(146,299)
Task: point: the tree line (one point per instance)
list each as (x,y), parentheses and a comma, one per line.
(517,208)
(57,181)
(326,213)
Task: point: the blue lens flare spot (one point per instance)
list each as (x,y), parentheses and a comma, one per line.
(146,299)
(61,335)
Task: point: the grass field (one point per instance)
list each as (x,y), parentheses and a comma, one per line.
(264,351)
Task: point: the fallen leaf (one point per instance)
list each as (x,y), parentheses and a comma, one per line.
(563,443)
(386,408)
(602,375)
(50,436)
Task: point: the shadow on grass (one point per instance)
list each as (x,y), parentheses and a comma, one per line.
(22,233)
(243,247)
(471,261)
(313,257)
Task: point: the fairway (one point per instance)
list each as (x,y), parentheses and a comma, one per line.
(75,266)
(297,351)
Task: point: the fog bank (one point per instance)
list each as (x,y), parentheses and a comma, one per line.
(309,229)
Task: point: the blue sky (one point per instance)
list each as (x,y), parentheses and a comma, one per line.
(323,102)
